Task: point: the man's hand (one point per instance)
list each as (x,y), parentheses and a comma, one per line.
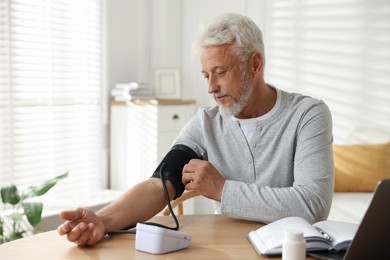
(82,226)
(202,177)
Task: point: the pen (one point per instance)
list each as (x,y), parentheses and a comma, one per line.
(326,236)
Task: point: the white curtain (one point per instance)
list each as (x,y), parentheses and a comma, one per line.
(50,93)
(338,51)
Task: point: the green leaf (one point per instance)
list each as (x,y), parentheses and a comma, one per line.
(33,211)
(16,217)
(1,229)
(9,194)
(15,235)
(44,187)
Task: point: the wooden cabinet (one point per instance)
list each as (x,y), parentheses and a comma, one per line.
(141,134)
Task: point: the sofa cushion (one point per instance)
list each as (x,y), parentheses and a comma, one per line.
(360,167)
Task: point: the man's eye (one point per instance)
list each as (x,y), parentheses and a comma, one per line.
(206,76)
(221,73)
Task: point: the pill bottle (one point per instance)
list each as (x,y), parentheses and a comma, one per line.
(294,247)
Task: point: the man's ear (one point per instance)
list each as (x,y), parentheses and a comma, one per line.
(257,63)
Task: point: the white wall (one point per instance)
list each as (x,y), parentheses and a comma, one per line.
(121,43)
(143,35)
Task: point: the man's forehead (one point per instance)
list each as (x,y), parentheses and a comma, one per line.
(216,56)
(219,50)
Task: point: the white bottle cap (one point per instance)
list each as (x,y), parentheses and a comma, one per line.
(294,234)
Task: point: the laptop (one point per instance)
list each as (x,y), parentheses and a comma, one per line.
(372,239)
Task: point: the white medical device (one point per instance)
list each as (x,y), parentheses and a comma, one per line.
(157,240)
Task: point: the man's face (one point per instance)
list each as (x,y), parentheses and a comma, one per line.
(231,87)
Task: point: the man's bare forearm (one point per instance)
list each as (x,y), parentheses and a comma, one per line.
(140,203)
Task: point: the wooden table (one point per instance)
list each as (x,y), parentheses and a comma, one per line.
(213,237)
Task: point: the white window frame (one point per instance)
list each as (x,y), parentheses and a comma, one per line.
(337,51)
(53,109)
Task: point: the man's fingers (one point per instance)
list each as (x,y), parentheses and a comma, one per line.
(192,165)
(77,232)
(63,229)
(190,186)
(94,237)
(71,215)
(187,177)
(66,227)
(85,236)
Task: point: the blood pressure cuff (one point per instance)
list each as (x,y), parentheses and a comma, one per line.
(176,158)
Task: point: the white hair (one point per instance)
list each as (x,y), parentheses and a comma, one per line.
(233,29)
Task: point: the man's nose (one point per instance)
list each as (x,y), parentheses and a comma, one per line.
(213,85)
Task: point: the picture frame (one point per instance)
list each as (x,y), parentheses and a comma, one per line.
(167,83)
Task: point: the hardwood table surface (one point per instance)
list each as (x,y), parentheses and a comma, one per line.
(213,237)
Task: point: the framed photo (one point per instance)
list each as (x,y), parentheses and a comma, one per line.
(167,83)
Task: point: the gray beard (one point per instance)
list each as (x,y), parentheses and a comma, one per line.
(242,100)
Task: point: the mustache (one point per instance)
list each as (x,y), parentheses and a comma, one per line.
(221,94)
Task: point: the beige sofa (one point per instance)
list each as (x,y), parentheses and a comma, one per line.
(358,168)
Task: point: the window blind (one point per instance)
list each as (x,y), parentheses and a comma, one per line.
(337,51)
(50,94)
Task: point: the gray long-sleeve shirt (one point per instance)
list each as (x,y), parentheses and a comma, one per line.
(287,168)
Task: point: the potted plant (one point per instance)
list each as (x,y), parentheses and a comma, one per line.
(21,209)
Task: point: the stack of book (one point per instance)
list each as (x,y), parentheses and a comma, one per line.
(131,91)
